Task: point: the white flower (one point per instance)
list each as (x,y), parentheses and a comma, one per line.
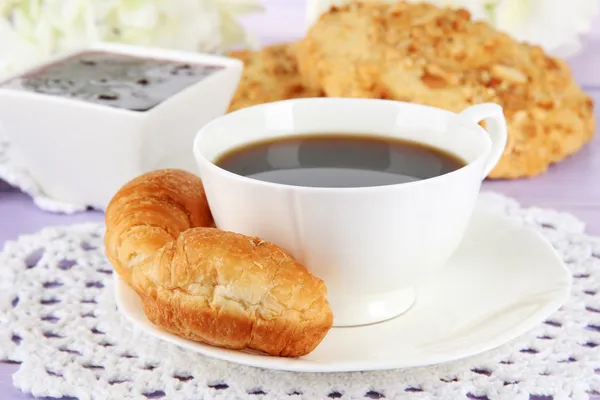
(31,31)
(232,32)
(16,52)
(555,25)
(182,24)
(81,28)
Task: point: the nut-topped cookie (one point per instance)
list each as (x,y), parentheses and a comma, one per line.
(269,75)
(437,56)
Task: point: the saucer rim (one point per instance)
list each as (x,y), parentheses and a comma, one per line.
(254,359)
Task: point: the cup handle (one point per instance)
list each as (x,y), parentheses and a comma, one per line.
(493,115)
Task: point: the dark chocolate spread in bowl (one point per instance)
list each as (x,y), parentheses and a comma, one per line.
(115,80)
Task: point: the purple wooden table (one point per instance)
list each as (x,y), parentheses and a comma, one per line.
(571,186)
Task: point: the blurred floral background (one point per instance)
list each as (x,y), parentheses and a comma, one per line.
(33,30)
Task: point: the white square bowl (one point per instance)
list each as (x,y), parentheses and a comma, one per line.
(82,153)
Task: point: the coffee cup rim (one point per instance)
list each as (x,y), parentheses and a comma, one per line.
(210,164)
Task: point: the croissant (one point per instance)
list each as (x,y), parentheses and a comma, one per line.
(208,285)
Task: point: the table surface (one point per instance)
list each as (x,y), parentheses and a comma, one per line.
(572,186)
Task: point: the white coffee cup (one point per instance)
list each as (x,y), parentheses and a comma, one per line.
(371,245)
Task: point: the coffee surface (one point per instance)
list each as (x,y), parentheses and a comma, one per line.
(338,161)
(115,80)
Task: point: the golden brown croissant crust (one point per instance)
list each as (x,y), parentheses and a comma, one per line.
(437,56)
(205,284)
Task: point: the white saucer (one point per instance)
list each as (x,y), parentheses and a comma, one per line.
(503,280)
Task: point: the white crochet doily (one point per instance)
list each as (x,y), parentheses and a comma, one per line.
(16,175)
(58,319)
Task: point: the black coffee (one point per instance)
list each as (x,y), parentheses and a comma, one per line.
(115,80)
(339,161)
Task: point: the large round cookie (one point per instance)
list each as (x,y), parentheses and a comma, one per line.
(438,56)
